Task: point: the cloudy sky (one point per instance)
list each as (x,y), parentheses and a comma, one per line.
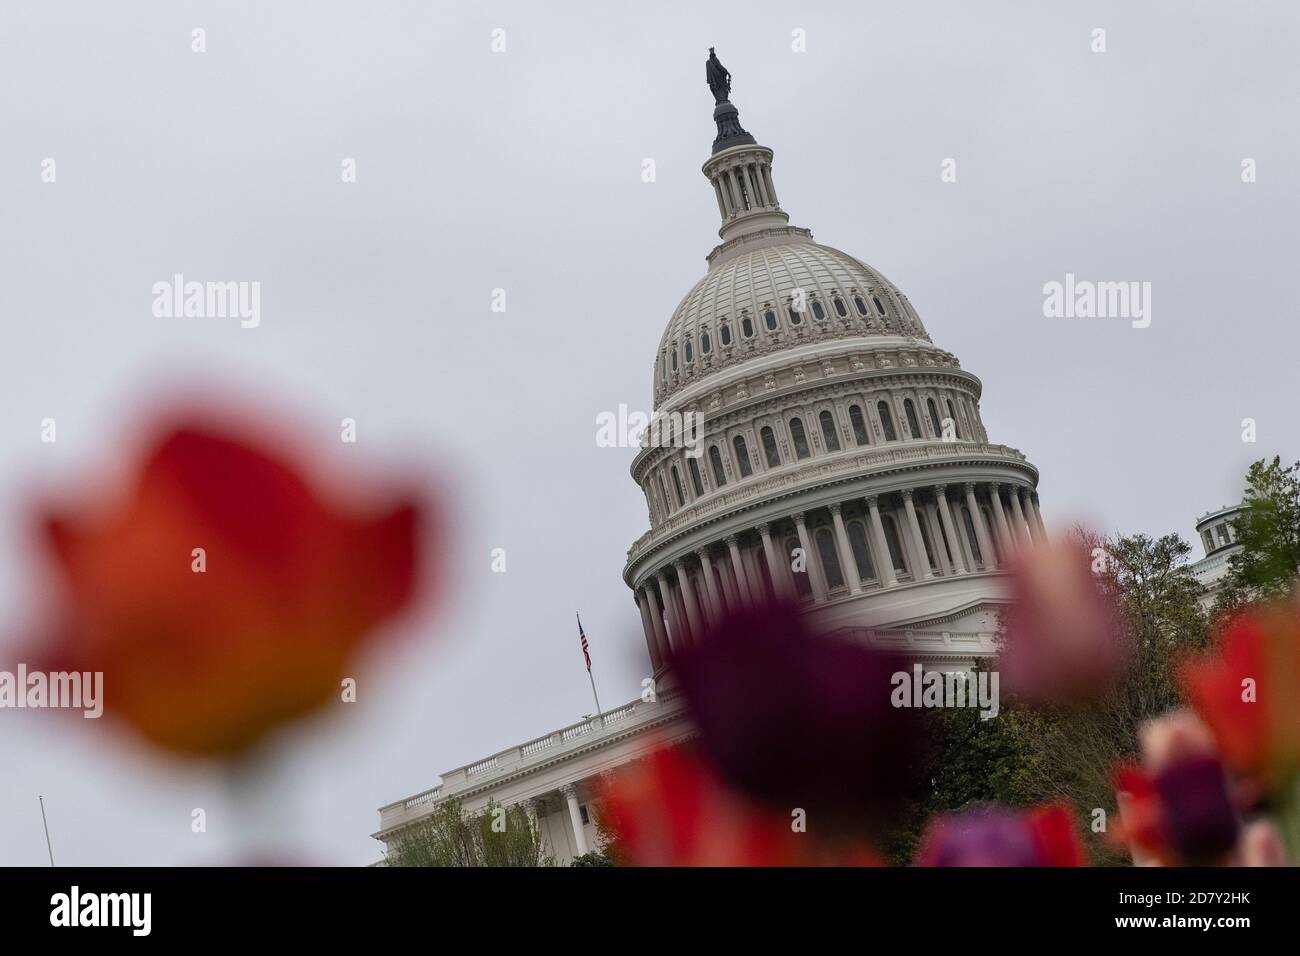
(521,170)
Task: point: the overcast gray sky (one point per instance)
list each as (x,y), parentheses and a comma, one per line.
(522,170)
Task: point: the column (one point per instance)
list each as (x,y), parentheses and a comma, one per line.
(651,639)
(570,794)
(949,530)
(915,527)
(749,186)
(779,570)
(981,532)
(847,562)
(738,566)
(722,206)
(737,201)
(812,560)
(710,585)
(762,186)
(670,610)
(1000,518)
(771,192)
(657,621)
(1018,517)
(730,599)
(1038,517)
(884,561)
(536,811)
(937,539)
(693,617)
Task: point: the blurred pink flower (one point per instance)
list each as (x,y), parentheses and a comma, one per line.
(1063,637)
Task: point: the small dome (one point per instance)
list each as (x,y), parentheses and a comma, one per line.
(747,305)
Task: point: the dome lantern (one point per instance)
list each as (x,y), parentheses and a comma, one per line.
(740,169)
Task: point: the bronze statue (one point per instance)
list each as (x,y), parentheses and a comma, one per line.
(718,77)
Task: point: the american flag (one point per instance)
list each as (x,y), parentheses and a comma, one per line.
(585,655)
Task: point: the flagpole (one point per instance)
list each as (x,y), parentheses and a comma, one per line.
(590,676)
(593,693)
(45,824)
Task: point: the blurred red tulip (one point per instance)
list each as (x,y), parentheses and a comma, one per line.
(1246,692)
(672,809)
(204,652)
(1063,638)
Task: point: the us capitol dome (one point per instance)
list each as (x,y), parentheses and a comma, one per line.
(840,458)
(840,461)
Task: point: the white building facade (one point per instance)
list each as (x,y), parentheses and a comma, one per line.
(839,460)
(1218,537)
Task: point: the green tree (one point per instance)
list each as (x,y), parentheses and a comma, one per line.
(495,836)
(1268,530)
(1070,753)
(1026,756)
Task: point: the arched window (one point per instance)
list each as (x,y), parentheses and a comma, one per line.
(705,345)
(913,425)
(770,451)
(747,327)
(840,310)
(663,492)
(893,543)
(693,466)
(742,456)
(801,583)
(861,553)
(795,317)
(677,486)
(934,417)
(832,440)
(724,333)
(879,308)
(674,360)
(769,319)
(952,413)
(819,312)
(886,421)
(859,305)
(690,354)
(971,537)
(799,438)
(859,425)
(830,559)
(715,461)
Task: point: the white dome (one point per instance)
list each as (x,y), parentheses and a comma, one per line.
(749,289)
